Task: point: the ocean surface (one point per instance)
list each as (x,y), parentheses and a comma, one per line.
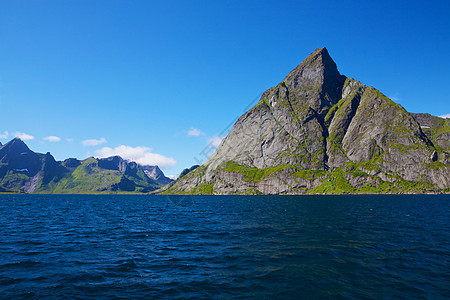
(247,247)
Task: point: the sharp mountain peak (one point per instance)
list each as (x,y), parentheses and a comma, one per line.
(17,144)
(319,59)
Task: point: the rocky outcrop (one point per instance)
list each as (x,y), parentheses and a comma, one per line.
(321,132)
(113,163)
(437,130)
(155,173)
(71,164)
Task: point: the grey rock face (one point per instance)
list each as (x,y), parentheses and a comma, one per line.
(71,164)
(319,131)
(155,173)
(113,163)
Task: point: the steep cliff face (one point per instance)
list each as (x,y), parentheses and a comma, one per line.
(318,131)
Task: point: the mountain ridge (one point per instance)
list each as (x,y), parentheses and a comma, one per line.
(22,170)
(318,131)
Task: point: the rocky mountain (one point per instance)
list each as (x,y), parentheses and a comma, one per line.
(22,170)
(321,132)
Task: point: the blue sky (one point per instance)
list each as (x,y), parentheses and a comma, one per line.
(158,81)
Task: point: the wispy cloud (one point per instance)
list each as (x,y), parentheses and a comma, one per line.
(93,142)
(395,97)
(23,136)
(4,135)
(194,132)
(69,140)
(140,155)
(447,116)
(52,138)
(214,141)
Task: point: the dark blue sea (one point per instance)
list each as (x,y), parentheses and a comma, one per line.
(247,247)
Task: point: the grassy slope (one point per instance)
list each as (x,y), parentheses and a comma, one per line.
(87,178)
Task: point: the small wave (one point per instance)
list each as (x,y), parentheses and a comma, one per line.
(22,264)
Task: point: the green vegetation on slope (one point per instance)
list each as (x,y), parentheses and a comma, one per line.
(13,179)
(336,181)
(88,178)
(335,184)
(251,174)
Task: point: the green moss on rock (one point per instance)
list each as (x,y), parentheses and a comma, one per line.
(251,174)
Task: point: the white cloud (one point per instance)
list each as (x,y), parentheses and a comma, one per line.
(4,135)
(214,141)
(52,138)
(93,142)
(23,136)
(447,116)
(395,97)
(69,140)
(140,155)
(194,132)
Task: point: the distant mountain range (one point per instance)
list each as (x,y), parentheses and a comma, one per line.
(321,132)
(22,170)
